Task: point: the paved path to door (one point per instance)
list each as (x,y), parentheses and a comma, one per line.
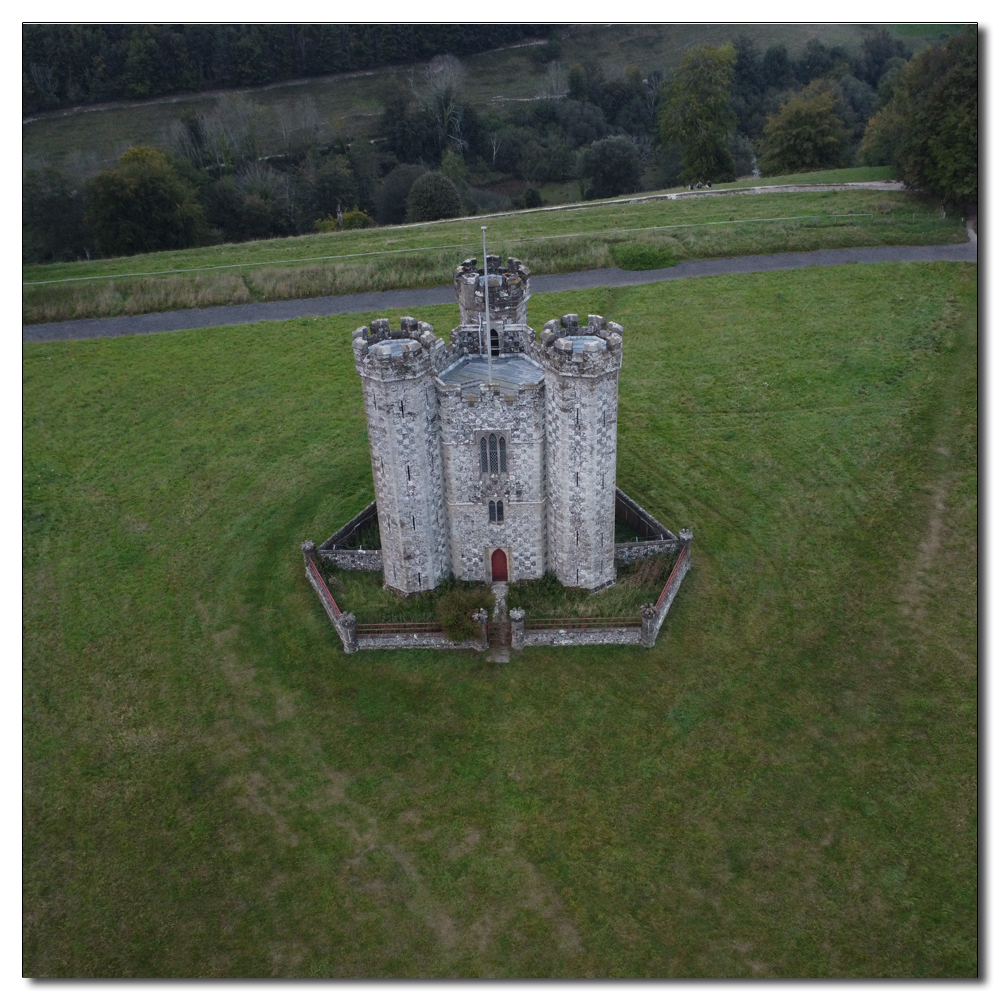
(380,303)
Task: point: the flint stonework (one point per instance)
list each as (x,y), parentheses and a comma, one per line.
(494,457)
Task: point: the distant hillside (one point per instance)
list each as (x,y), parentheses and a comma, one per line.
(64,65)
(578,113)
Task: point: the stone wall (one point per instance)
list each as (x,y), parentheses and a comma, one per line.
(345,624)
(343,535)
(630,552)
(369,559)
(653,615)
(646,526)
(627,636)
(417,640)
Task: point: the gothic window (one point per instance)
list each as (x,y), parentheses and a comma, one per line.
(503,455)
(483,467)
(495,343)
(499,510)
(493,454)
(493,512)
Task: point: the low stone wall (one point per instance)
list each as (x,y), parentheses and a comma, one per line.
(630,552)
(346,625)
(646,526)
(417,640)
(651,618)
(336,551)
(360,520)
(370,559)
(579,637)
(653,615)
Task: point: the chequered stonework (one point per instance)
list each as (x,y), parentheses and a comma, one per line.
(455,434)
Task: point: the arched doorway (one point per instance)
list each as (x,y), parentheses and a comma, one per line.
(498,565)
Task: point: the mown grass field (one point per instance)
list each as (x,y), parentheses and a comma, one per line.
(784,786)
(559,241)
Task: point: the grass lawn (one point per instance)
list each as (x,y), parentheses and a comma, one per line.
(569,239)
(784,786)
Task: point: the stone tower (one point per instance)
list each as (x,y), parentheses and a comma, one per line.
(494,457)
(581,427)
(405,441)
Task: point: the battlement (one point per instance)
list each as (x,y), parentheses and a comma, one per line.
(380,349)
(581,350)
(509,290)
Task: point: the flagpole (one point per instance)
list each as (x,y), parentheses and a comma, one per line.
(486,297)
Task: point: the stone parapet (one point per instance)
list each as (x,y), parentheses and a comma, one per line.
(579,351)
(508,286)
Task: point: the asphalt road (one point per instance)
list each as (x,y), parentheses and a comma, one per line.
(380,303)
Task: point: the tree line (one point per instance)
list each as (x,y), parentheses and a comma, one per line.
(64,65)
(725,111)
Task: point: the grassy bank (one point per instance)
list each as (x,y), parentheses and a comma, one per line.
(784,786)
(549,242)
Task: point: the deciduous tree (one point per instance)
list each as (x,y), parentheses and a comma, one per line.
(432,196)
(611,166)
(143,205)
(807,134)
(930,127)
(696,112)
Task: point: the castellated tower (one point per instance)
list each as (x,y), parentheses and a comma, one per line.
(509,332)
(581,425)
(493,456)
(404,437)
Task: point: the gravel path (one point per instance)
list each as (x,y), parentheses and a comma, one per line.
(380,303)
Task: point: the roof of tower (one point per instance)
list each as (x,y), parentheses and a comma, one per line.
(509,372)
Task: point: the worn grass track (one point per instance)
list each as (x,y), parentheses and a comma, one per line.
(784,786)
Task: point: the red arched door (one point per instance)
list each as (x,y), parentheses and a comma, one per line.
(499,565)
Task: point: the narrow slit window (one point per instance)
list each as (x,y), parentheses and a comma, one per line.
(493,454)
(407,473)
(413,519)
(483,465)
(503,455)
(499,511)
(493,512)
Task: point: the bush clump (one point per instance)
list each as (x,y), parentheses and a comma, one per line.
(431,197)
(532,198)
(644,256)
(454,610)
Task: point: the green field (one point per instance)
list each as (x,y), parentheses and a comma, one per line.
(784,786)
(558,241)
